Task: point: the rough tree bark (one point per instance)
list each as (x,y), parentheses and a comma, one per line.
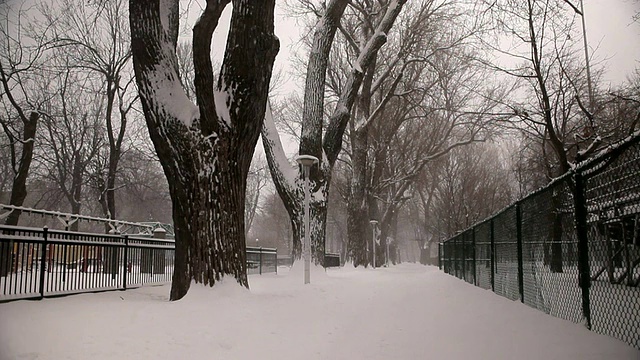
(205,150)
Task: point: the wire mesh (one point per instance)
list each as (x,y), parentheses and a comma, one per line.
(613,205)
(549,245)
(506,254)
(482,236)
(469,256)
(536,250)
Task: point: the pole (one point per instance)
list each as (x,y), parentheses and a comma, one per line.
(43,261)
(584,277)
(386,240)
(125,262)
(307,240)
(586,57)
(519,238)
(492,256)
(373,246)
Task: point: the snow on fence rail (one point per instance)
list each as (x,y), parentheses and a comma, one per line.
(571,249)
(37,263)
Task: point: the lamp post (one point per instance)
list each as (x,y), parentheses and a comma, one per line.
(586,57)
(586,50)
(373,241)
(306,161)
(386,260)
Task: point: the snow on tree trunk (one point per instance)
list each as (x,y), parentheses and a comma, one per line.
(358,227)
(317,221)
(325,147)
(205,150)
(19,186)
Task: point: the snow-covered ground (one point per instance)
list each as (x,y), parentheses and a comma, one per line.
(407,311)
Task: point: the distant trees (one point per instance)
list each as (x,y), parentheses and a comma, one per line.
(426,96)
(322,133)
(96,39)
(560,114)
(23,54)
(73,135)
(257,180)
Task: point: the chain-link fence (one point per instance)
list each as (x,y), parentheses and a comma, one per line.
(571,249)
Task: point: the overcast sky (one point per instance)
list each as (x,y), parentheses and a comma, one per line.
(612,34)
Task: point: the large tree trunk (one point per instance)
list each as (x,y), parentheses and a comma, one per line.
(205,150)
(359,230)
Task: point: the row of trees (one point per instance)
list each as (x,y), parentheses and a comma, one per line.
(406,105)
(67,102)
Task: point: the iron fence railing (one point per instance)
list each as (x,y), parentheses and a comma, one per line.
(261,260)
(37,263)
(571,249)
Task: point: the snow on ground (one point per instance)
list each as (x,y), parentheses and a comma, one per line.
(407,311)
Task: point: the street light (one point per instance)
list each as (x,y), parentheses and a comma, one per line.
(386,257)
(306,161)
(373,241)
(586,49)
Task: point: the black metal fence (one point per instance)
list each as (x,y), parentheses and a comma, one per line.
(37,263)
(261,260)
(571,249)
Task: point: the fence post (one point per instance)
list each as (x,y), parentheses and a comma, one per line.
(444,257)
(455,256)
(473,261)
(125,262)
(260,253)
(439,256)
(492,256)
(464,259)
(43,259)
(584,277)
(519,236)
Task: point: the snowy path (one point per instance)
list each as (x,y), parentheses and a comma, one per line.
(404,312)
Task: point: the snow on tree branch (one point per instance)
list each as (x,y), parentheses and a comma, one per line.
(283,173)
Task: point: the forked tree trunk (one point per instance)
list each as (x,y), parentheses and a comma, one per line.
(325,146)
(205,150)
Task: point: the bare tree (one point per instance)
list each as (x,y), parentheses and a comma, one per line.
(21,59)
(423,97)
(96,38)
(74,134)
(205,149)
(320,137)
(144,195)
(256,181)
(545,48)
